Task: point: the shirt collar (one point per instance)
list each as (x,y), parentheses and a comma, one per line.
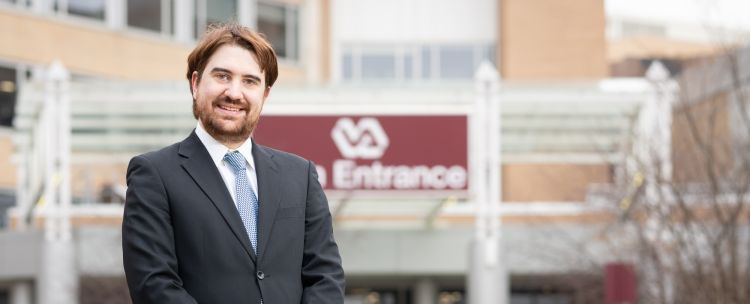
(217,150)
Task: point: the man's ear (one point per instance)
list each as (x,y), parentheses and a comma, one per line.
(194,79)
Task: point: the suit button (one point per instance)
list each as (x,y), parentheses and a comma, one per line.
(260,275)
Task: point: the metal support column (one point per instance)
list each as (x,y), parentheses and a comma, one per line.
(487,280)
(58,278)
(248,13)
(184,16)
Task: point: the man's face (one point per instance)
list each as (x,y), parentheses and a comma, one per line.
(230,94)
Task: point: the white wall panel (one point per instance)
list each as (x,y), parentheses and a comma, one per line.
(414,21)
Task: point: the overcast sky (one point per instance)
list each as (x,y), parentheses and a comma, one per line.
(724,13)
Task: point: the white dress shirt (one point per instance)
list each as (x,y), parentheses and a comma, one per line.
(217,151)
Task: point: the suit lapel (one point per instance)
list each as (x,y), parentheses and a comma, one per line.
(268,178)
(199,165)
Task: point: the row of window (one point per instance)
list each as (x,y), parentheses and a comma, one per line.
(414,63)
(278,21)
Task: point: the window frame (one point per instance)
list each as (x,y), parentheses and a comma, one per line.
(200,14)
(291,27)
(62,8)
(166,19)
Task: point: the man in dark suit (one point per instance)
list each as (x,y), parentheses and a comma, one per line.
(218,218)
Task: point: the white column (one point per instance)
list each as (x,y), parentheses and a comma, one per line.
(41,6)
(661,127)
(20,293)
(656,150)
(487,279)
(184,16)
(247,13)
(58,278)
(653,142)
(29,158)
(64,151)
(48,120)
(115,14)
(425,292)
(21,160)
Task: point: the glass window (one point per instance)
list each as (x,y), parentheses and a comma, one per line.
(279,23)
(347,67)
(408,66)
(426,62)
(218,11)
(456,62)
(378,66)
(414,62)
(272,23)
(8,90)
(87,8)
(145,14)
(212,12)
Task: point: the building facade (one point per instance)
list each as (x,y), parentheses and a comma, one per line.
(565,123)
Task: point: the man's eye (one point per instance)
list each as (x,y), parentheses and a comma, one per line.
(222,76)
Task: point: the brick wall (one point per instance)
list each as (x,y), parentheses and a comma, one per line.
(552,39)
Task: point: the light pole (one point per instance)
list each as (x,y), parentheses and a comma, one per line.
(58,278)
(487,281)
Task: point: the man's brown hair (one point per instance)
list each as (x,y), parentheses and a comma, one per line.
(233,34)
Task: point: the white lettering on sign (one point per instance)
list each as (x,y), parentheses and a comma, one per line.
(348,175)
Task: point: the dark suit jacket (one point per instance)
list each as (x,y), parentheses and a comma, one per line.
(184,242)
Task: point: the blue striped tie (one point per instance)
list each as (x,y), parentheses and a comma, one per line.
(247,201)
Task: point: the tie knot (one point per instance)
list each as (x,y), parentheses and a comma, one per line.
(236,161)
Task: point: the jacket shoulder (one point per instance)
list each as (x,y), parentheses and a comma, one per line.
(161,155)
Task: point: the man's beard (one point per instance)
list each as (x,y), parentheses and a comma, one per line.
(214,126)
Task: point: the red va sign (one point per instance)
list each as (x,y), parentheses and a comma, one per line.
(381,153)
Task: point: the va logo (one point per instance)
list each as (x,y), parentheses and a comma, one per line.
(365,139)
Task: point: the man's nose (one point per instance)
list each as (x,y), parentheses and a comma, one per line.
(233,90)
